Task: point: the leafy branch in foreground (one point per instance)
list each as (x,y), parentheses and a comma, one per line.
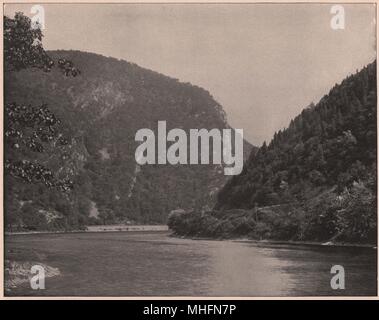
(33,129)
(23,48)
(27,128)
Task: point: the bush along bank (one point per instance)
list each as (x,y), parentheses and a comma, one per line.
(349,217)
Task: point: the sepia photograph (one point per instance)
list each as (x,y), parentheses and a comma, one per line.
(189,150)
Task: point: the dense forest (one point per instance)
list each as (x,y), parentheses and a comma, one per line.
(315,180)
(96,109)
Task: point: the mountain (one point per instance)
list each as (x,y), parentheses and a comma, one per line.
(101,111)
(329,144)
(315,180)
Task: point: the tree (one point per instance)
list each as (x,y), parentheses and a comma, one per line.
(32,128)
(23,47)
(357,218)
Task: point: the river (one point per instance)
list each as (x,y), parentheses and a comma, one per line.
(155,264)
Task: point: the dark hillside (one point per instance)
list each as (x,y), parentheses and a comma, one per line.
(101,110)
(315,180)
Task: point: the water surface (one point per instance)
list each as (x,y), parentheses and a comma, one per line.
(154,264)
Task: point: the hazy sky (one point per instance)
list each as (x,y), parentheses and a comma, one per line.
(263,63)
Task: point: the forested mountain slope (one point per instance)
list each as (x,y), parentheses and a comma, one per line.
(329,144)
(100,111)
(315,180)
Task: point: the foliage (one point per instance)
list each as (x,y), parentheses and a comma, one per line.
(315,180)
(23,47)
(357,218)
(27,127)
(331,143)
(36,148)
(350,217)
(33,129)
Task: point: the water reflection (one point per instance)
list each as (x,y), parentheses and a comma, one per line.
(154,264)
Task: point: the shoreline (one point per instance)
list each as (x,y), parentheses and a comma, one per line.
(284,242)
(311,243)
(98,229)
(163,228)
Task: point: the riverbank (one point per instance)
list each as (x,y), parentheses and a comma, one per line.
(98,228)
(311,243)
(278,242)
(164,228)
(283,223)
